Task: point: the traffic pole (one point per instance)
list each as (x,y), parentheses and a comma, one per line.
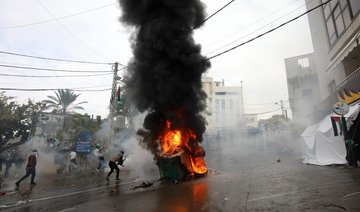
(113,101)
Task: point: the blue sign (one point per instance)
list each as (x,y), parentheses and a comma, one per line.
(83,143)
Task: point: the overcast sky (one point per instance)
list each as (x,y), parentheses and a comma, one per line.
(89,30)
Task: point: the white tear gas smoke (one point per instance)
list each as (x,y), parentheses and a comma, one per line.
(277,141)
(45,158)
(103,133)
(139,162)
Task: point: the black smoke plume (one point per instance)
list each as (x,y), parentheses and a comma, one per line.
(164,76)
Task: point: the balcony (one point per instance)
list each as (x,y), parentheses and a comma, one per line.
(351,82)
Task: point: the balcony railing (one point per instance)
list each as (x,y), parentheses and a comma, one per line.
(349,78)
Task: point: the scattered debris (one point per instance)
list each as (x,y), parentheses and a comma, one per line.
(143,185)
(213,171)
(336,206)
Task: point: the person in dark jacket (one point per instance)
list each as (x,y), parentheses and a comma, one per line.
(30,169)
(113,164)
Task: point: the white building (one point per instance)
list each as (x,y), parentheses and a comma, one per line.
(335,32)
(225,109)
(303,87)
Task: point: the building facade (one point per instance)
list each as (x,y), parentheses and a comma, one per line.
(335,32)
(225,108)
(303,87)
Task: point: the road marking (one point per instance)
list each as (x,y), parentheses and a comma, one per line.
(69,209)
(61,195)
(271,196)
(352,194)
(305,190)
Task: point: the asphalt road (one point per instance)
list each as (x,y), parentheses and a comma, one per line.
(245,174)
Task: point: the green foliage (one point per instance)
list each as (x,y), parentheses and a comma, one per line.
(63,101)
(16,120)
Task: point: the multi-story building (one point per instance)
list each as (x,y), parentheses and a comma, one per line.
(225,105)
(303,87)
(335,32)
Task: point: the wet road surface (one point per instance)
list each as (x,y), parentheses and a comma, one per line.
(245,174)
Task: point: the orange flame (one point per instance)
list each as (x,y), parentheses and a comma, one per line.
(198,165)
(171,141)
(175,141)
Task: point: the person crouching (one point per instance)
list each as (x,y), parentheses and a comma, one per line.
(113,164)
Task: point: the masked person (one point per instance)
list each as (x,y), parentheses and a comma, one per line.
(30,168)
(113,164)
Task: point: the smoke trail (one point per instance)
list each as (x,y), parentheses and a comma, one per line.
(165,73)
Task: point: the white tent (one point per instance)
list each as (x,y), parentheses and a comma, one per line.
(320,146)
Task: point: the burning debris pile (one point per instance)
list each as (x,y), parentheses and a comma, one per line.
(164,79)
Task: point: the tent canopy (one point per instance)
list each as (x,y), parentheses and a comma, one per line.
(320,146)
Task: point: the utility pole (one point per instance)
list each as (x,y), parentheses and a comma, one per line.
(113,101)
(282,108)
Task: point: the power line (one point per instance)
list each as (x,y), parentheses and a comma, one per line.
(262,108)
(49,69)
(69,31)
(95,86)
(262,112)
(267,32)
(20,75)
(96,90)
(54,59)
(51,89)
(199,24)
(228,44)
(248,25)
(270,103)
(55,19)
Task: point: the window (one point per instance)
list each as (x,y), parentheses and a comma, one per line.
(231,104)
(338,17)
(220,93)
(347,18)
(330,28)
(339,21)
(294,82)
(217,105)
(327,10)
(333,3)
(307,92)
(343,3)
(355,7)
(303,62)
(223,104)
